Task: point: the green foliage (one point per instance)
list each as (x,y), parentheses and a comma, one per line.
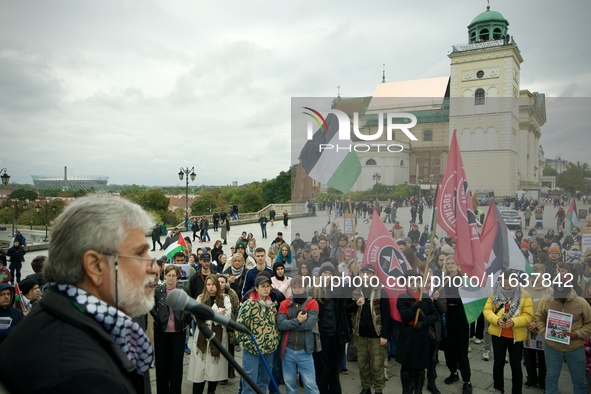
(278,189)
(24,194)
(52,192)
(204,205)
(131,190)
(573,179)
(153,200)
(549,171)
(252,199)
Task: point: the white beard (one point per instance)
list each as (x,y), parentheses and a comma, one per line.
(132,301)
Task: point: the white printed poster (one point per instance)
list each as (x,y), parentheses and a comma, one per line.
(557,324)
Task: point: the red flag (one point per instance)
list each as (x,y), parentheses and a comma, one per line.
(455,213)
(383,253)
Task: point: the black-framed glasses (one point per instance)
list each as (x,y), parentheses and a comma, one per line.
(153,261)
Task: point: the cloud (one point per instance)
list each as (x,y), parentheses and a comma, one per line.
(135,89)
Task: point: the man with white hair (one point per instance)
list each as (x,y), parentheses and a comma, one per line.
(99,276)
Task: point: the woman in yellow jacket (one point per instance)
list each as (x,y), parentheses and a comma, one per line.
(509,310)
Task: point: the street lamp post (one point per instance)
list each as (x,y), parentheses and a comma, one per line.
(376,177)
(38,209)
(30,216)
(556,174)
(14,207)
(189,173)
(5,177)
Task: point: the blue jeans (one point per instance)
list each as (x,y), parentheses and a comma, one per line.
(575,359)
(205,235)
(294,360)
(254,367)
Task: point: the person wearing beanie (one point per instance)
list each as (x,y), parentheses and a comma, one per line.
(30,292)
(280,281)
(7,310)
(327,266)
(526,253)
(555,257)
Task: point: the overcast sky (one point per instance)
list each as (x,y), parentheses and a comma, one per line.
(135,89)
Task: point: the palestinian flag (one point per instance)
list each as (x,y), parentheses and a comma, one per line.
(18,297)
(500,251)
(571,216)
(174,245)
(326,158)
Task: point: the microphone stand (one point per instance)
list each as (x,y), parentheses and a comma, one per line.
(210,336)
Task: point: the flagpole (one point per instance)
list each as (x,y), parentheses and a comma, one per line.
(426,273)
(431,251)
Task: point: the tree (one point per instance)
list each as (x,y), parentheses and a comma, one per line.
(23,194)
(252,200)
(204,205)
(549,171)
(278,189)
(153,200)
(131,190)
(573,179)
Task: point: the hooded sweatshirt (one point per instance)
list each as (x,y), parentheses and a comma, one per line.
(10,311)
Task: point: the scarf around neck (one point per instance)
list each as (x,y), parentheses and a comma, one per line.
(127,334)
(237,273)
(501,297)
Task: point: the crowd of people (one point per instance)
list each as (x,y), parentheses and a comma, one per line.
(102,292)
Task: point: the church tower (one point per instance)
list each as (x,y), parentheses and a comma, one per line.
(484,104)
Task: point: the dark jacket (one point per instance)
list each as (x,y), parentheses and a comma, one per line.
(15,314)
(79,356)
(414,345)
(16,254)
(332,317)
(196,284)
(161,311)
(156,233)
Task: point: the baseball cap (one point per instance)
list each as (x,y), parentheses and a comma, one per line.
(205,256)
(261,279)
(368,268)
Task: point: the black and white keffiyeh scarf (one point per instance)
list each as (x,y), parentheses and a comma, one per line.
(126,333)
(501,297)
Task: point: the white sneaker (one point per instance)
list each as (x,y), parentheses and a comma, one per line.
(486,355)
(478,341)
(469,349)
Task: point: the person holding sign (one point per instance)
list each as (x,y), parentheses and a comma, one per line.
(508,310)
(575,317)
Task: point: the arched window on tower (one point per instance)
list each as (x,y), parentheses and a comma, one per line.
(472,37)
(371,162)
(484,35)
(479,97)
(497,34)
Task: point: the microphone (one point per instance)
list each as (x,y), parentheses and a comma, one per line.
(179,300)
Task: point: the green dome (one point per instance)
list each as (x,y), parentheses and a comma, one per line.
(488,26)
(489,16)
